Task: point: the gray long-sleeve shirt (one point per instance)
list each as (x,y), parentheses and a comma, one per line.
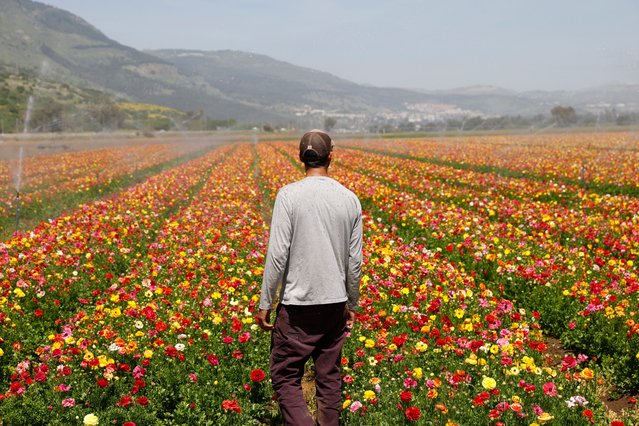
(315,246)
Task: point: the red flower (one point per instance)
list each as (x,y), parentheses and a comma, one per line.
(257,375)
(125,401)
(588,414)
(213,360)
(617,423)
(413,413)
(103,383)
(143,401)
(406,396)
(230,405)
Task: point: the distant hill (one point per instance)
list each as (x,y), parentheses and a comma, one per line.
(53,44)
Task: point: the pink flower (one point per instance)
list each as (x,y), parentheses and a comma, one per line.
(68,403)
(409,382)
(356,405)
(193,377)
(550,389)
(138,372)
(64,388)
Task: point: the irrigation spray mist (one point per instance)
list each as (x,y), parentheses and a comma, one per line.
(17,182)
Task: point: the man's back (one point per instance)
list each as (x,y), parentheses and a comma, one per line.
(316,228)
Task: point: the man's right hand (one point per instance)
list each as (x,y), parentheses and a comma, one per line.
(263,317)
(350,318)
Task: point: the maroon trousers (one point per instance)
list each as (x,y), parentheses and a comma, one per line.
(300,333)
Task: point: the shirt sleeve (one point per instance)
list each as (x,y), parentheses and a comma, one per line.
(278,249)
(354,272)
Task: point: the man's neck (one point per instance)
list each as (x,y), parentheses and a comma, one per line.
(316,171)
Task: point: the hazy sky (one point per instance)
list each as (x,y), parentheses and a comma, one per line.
(520,45)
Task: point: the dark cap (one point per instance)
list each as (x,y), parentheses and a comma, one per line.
(315,146)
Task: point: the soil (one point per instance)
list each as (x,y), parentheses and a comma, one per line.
(614,404)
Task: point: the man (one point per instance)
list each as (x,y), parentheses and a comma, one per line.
(315,253)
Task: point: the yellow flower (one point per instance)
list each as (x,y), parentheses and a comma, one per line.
(422,347)
(488,383)
(544,418)
(18,292)
(369,343)
(346,404)
(148,353)
(418,372)
(1,352)
(91,420)
(369,394)
(104,361)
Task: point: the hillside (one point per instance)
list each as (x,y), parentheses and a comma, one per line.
(53,45)
(56,45)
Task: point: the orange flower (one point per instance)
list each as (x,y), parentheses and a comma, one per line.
(587,374)
(442,408)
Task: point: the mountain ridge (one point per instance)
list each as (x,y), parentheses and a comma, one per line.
(54,44)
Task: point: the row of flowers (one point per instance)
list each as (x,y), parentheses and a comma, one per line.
(43,177)
(588,158)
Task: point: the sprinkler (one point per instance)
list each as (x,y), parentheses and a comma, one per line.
(17,210)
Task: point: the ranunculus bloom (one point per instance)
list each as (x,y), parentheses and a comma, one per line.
(68,402)
(488,383)
(230,405)
(406,396)
(257,375)
(90,420)
(125,401)
(550,389)
(587,374)
(413,413)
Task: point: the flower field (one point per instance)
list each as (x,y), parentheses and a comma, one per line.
(76,176)
(137,307)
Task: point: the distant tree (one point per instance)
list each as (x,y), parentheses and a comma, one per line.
(47,116)
(329,123)
(106,115)
(564,116)
(267,127)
